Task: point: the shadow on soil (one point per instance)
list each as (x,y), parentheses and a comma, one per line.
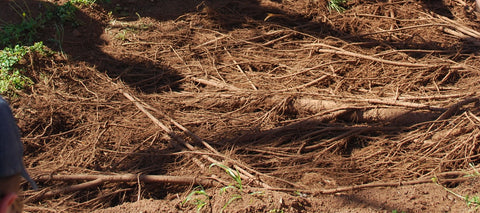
(369,203)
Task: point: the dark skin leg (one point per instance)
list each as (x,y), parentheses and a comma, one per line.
(9,188)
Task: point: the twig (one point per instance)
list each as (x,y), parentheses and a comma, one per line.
(340,51)
(435,97)
(461,35)
(404,104)
(304,85)
(241,40)
(143,42)
(312,68)
(277,39)
(352,132)
(139,188)
(216,84)
(184,62)
(236,164)
(241,70)
(211,41)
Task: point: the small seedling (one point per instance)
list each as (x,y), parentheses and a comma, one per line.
(475,171)
(232,173)
(122,35)
(300,194)
(59,35)
(337,5)
(234,197)
(235,174)
(257,193)
(200,203)
(224,189)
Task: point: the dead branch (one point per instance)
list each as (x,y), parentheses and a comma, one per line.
(95,180)
(68,189)
(460,27)
(130,178)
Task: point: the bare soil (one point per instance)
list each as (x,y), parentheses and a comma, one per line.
(317,111)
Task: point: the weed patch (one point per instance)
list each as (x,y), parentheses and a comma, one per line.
(337,5)
(26,32)
(12,73)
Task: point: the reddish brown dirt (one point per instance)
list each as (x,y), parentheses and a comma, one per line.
(303,99)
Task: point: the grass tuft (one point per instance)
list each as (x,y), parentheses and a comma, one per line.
(337,5)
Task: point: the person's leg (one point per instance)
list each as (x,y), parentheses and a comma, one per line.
(9,188)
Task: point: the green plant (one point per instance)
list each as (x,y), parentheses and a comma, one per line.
(337,5)
(122,35)
(66,13)
(300,194)
(257,193)
(199,202)
(21,33)
(59,35)
(235,174)
(26,32)
(12,75)
(234,197)
(232,173)
(83,2)
(475,171)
